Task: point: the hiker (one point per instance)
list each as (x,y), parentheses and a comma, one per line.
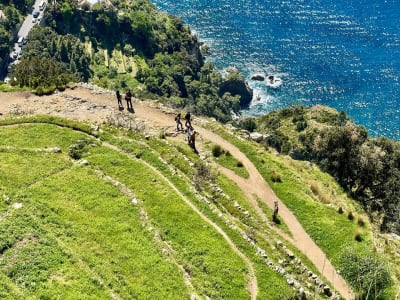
(119,97)
(179,126)
(128,98)
(191,136)
(188,120)
(275,213)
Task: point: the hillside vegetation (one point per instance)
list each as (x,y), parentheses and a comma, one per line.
(125,45)
(367,168)
(137,216)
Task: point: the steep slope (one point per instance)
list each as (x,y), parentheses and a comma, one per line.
(226,220)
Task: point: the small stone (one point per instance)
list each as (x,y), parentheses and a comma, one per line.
(327,290)
(134,201)
(164,251)
(56,150)
(17,205)
(290,254)
(84,162)
(290,281)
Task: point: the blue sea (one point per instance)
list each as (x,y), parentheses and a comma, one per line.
(344,54)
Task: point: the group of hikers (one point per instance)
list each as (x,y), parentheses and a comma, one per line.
(128,99)
(190,132)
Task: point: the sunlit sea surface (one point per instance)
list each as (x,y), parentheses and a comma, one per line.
(344,54)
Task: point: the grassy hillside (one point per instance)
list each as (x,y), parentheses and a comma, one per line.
(127,216)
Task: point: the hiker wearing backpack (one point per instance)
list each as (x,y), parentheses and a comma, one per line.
(179,126)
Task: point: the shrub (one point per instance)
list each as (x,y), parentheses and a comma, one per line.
(324,198)
(360,222)
(249,124)
(301,125)
(368,276)
(340,210)
(76,151)
(217,150)
(314,187)
(275,177)
(358,236)
(350,216)
(239,164)
(203,175)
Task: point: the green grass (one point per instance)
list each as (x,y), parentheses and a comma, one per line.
(330,230)
(228,161)
(74,220)
(78,236)
(179,225)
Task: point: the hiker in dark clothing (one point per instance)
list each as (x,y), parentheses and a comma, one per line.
(188,120)
(119,99)
(191,137)
(128,98)
(179,126)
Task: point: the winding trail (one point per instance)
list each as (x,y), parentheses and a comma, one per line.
(252,279)
(253,187)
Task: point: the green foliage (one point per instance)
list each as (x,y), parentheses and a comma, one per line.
(67,52)
(291,190)
(217,150)
(249,124)
(366,273)
(275,177)
(367,168)
(42,74)
(77,150)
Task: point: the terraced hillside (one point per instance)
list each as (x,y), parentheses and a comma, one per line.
(123,209)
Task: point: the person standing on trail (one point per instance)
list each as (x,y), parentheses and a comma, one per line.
(119,99)
(128,98)
(275,213)
(179,126)
(191,137)
(188,120)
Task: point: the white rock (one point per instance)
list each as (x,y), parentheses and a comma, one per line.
(17,205)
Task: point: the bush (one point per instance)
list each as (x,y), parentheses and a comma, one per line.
(40,91)
(275,177)
(217,150)
(350,216)
(358,236)
(314,187)
(360,222)
(368,276)
(249,124)
(340,210)
(203,175)
(76,151)
(239,164)
(301,125)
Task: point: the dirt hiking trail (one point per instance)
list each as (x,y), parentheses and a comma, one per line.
(98,107)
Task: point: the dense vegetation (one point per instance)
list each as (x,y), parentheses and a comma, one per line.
(128,45)
(12,15)
(368,168)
